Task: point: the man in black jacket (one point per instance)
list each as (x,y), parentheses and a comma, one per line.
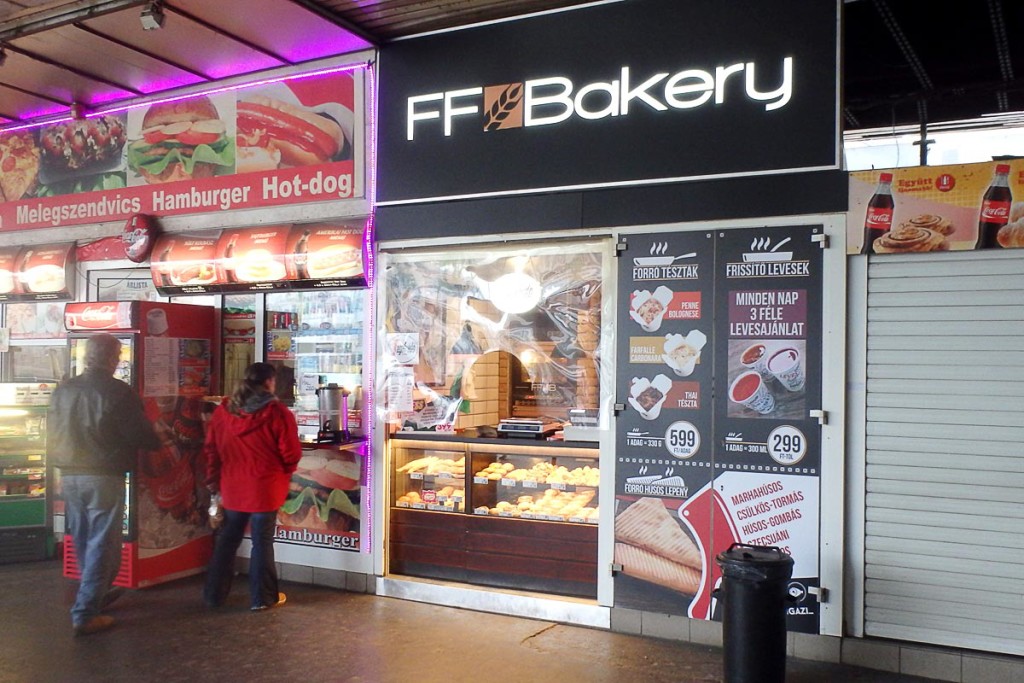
(95,427)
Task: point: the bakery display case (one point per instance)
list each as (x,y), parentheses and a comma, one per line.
(508,513)
(23,481)
(536,483)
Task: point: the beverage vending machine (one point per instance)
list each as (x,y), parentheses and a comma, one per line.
(168,355)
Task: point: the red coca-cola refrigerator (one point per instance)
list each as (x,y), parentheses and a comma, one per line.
(168,355)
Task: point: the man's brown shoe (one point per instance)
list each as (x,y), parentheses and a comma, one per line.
(98,623)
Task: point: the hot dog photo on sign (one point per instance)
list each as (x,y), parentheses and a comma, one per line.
(301,123)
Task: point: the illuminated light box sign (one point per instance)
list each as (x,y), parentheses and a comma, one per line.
(612,94)
(959,207)
(281,143)
(266,258)
(40,272)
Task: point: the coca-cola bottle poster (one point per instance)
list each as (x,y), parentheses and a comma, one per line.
(664,446)
(768,357)
(957,207)
(172,497)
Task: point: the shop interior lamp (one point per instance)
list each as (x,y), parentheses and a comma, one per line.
(515,292)
(152,16)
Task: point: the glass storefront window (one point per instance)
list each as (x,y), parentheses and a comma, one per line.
(475,337)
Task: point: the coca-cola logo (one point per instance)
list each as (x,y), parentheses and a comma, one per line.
(102,313)
(99,317)
(945,182)
(138,237)
(879,218)
(996,213)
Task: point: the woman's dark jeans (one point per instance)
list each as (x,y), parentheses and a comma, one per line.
(262,570)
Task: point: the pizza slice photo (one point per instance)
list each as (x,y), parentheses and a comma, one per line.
(19,165)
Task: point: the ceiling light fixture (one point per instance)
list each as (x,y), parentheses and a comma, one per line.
(152,16)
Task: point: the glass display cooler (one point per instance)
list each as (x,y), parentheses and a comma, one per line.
(24,533)
(315,339)
(169,357)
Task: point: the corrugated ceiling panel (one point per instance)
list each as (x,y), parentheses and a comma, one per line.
(107,59)
(186,43)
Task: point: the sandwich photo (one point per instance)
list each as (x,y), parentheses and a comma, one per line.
(273,133)
(653,547)
(321,493)
(181,140)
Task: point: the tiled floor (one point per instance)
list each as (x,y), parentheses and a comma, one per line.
(164,634)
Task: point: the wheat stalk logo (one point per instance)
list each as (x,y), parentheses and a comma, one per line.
(503,107)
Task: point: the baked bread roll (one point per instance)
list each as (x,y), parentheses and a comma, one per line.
(910,239)
(1011,235)
(646,566)
(1016,211)
(931,222)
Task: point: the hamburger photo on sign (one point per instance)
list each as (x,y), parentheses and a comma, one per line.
(185,139)
(298,124)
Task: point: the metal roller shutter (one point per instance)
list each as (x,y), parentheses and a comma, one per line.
(944,517)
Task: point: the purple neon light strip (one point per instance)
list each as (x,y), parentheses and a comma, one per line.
(177,98)
(369,340)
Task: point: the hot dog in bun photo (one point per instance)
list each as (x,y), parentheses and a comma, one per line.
(318,496)
(275,134)
(338,260)
(181,140)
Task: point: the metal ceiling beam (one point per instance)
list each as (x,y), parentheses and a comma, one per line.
(995,13)
(144,53)
(227,34)
(53,16)
(964,92)
(70,69)
(889,19)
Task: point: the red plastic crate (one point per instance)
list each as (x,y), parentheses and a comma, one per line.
(125,575)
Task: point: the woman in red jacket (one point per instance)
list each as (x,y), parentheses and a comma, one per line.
(252,447)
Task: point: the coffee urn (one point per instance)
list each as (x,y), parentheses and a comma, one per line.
(333,406)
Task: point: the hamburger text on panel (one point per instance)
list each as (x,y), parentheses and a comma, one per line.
(552,100)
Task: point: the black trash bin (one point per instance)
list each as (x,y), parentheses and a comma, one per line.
(753,597)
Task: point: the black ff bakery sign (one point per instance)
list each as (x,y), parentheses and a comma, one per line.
(629,92)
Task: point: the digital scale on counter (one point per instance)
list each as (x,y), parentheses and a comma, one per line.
(527,428)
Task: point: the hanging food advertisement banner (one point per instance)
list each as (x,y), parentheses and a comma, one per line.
(291,142)
(717,446)
(252,259)
(273,257)
(936,208)
(325,256)
(39,272)
(185,263)
(8,255)
(664,448)
(768,351)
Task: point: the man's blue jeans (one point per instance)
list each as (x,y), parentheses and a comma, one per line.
(94,505)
